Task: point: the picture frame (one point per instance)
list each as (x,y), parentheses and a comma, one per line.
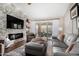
(74,11)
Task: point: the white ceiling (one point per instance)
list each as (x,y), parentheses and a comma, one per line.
(37,11)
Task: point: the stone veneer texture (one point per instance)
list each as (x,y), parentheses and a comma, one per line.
(11,10)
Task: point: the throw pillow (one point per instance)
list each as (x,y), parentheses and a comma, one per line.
(61,36)
(7,42)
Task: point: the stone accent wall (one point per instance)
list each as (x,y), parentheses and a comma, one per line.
(11,10)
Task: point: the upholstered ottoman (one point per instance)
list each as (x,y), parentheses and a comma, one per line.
(35,49)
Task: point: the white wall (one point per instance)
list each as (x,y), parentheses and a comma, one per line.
(33,27)
(55,27)
(68,27)
(67,23)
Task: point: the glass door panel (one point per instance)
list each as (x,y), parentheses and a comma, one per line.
(44,29)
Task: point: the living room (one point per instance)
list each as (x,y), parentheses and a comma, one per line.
(28,29)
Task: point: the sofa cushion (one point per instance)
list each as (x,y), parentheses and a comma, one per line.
(66,37)
(77,40)
(40,40)
(58,49)
(58,43)
(70,38)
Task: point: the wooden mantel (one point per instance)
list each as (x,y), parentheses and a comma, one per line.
(14,46)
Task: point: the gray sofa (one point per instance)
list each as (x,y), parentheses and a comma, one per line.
(60,48)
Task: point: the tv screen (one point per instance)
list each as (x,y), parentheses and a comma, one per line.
(14,23)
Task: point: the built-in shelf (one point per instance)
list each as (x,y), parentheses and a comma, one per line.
(14,23)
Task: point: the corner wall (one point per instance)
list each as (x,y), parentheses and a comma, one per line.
(69,27)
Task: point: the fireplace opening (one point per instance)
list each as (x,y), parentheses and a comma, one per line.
(15,36)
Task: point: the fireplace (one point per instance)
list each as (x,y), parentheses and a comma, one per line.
(15,36)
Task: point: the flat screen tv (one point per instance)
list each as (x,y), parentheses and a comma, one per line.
(14,23)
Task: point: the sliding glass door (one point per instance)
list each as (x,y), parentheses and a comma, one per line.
(44,29)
